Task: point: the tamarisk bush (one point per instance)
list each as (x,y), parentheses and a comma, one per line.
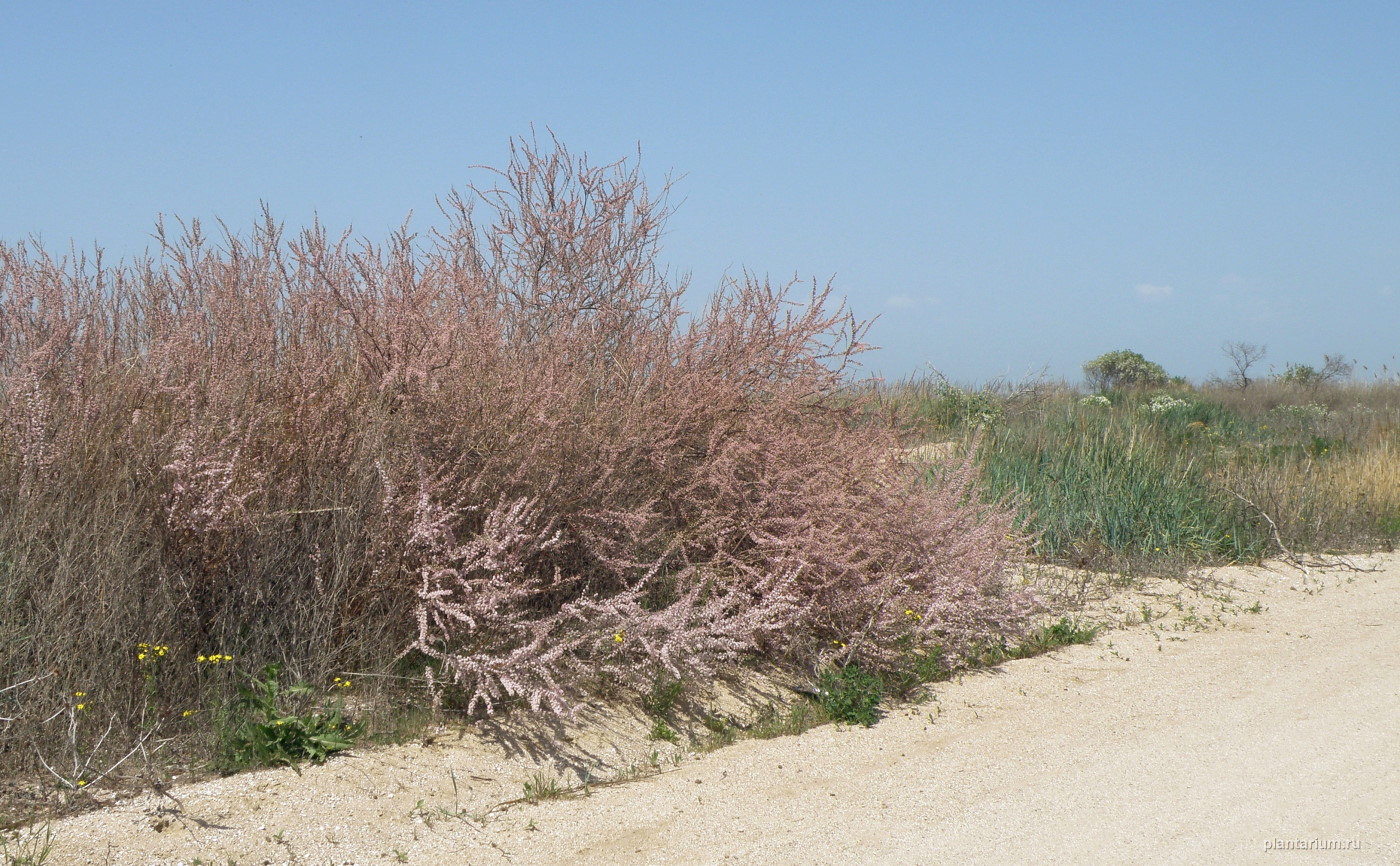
(503,454)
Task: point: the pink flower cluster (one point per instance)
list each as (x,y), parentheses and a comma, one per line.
(510,435)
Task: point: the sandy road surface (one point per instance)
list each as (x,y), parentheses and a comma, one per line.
(1158,744)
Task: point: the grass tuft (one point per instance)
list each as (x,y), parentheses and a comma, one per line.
(543,786)
(30,847)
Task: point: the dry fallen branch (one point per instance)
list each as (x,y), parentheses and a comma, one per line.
(1300,562)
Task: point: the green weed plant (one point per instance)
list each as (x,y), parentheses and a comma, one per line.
(273,724)
(851,695)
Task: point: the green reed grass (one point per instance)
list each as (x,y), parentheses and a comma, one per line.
(1108,482)
(1091,482)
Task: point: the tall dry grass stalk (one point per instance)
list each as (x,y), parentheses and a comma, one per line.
(500,455)
(1344,501)
(1368,478)
(1378,401)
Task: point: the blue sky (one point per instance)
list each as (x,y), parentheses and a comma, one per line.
(1005,185)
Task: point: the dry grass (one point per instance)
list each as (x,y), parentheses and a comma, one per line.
(1367,479)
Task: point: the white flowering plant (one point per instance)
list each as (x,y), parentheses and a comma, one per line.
(1165,403)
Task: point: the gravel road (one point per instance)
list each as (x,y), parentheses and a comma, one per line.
(1218,732)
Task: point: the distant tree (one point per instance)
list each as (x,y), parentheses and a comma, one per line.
(1243,356)
(1123,369)
(1334,368)
(1301,374)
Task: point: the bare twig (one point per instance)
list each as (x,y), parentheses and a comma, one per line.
(81,776)
(26,682)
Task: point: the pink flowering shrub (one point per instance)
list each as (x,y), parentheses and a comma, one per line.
(503,454)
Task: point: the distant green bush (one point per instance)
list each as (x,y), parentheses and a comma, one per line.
(1123,369)
(956,407)
(1334,368)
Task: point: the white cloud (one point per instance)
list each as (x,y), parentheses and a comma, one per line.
(1149,292)
(906,302)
